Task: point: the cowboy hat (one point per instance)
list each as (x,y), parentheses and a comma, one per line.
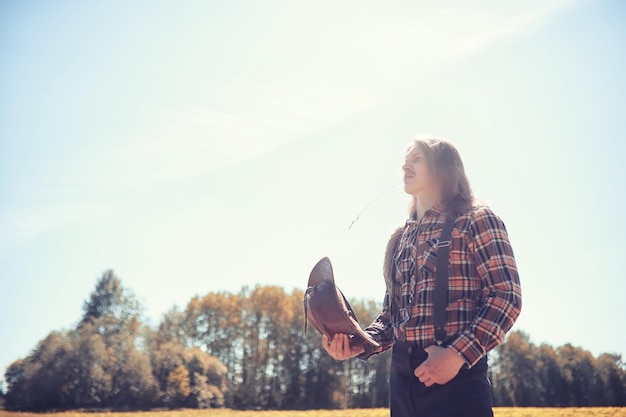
(327,308)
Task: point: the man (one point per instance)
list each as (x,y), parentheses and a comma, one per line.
(448,378)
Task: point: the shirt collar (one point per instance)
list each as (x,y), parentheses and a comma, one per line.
(436,210)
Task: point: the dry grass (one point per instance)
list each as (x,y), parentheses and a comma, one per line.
(561,412)
(499,412)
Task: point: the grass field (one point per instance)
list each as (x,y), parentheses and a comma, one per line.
(499,412)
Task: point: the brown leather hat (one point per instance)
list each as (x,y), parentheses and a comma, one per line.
(328,310)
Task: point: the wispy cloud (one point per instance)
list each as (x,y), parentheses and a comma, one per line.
(364,62)
(351,67)
(338,72)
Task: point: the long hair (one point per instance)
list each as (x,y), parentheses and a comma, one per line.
(446,166)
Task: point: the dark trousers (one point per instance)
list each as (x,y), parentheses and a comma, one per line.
(467,395)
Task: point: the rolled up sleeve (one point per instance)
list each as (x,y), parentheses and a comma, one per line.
(381,331)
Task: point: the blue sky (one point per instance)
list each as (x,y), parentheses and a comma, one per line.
(200,146)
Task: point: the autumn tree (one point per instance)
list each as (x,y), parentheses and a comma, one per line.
(207,378)
(368,385)
(215,322)
(249,350)
(178,387)
(186,377)
(165,357)
(514,378)
(271,362)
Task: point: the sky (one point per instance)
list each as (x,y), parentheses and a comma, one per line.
(202,146)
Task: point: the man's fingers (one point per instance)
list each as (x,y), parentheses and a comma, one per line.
(421,370)
(334,346)
(345,344)
(325,342)
(338,346)
(338,343)
(424,377)
(424,373)
(328,345)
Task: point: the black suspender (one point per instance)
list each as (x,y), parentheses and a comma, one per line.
(441,279)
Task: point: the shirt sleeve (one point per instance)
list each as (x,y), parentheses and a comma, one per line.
(501,292)
(381,331)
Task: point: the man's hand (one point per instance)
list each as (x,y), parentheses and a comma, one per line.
(440,367)
(339,347)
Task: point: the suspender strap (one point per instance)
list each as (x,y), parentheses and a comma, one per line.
(441,279)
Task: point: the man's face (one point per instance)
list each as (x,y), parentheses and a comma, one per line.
(417,176)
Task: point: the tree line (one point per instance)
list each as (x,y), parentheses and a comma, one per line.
(248,350)
(526,374)
(110,360)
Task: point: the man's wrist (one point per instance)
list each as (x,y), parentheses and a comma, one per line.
(458,358)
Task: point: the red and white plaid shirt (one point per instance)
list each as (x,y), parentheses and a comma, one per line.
(484,293)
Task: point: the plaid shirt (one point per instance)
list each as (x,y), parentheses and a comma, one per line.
(484,294)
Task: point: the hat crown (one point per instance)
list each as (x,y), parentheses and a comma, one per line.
(327,308)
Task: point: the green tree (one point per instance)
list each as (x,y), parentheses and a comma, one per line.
(91,367)
(95,365)
(613,378)
(42,380)
(1,394)
(17,385)
(1,388)
(133,382)
(524,374)
(578,370)
(173,327)
(111,308)
(551,389)
(47,365)
(114,313)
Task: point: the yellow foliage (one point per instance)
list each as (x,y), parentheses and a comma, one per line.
(178,384)
(228,305)
(272,302)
